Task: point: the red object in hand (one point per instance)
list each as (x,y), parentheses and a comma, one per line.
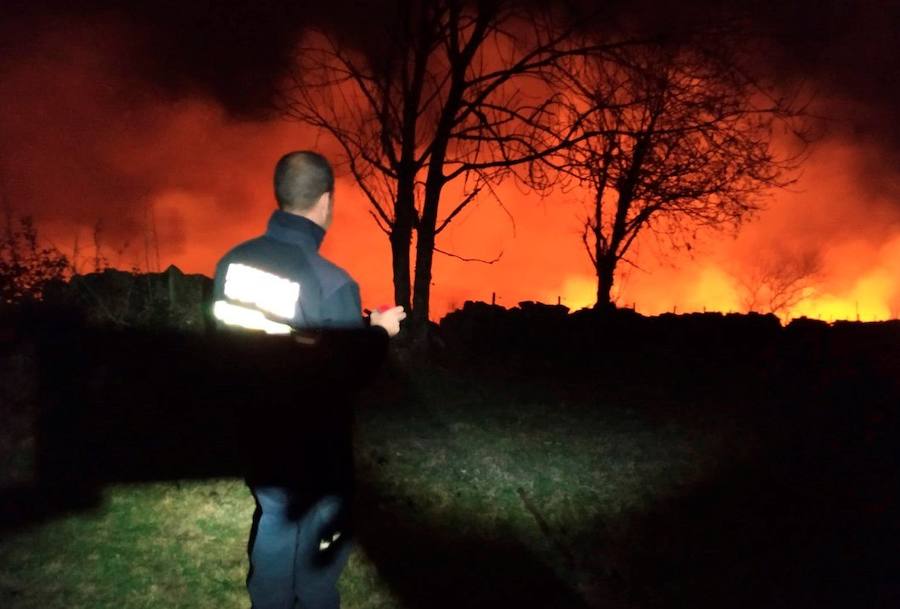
(382,308)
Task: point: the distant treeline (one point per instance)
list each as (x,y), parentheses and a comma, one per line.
(550,334)
(116,299)
(532,333)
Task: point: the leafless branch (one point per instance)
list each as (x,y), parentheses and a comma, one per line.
(499,256)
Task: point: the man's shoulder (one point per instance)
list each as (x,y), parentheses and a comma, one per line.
(265,252)
(331,276)
(291,260)
(242,249)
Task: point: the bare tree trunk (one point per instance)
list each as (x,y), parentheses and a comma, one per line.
(401,240)
(425,228)
(422,282)
(606,267)
(425,237)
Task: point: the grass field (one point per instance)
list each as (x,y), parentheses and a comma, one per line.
(480,490)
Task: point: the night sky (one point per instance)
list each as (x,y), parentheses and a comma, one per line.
(162,117)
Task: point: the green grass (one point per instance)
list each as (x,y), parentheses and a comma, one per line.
(149,545)
(551,478)
(523,460)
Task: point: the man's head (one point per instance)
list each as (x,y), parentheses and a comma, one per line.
(304,185)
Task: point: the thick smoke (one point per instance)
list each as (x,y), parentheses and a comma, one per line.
(157,123)
(236,51)
(85,140)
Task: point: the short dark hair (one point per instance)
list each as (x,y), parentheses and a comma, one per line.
(301,177)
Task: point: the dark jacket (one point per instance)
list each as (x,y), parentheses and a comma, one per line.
(288,253)
(296,397)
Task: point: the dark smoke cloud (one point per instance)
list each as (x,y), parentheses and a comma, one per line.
(111,108)
(235,50)
(847,52)
(86,139)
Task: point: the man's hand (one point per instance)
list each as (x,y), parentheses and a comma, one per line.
(389,319)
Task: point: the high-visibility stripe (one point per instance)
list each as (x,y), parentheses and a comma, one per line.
(325,543)
(268,292)
(244,317)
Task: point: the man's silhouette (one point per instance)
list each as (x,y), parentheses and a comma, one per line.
(299,454)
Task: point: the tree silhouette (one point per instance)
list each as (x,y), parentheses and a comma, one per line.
(777,280)
(26,266)
(682,141)
(437,93)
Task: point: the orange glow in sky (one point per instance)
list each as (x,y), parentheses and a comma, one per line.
(185,176)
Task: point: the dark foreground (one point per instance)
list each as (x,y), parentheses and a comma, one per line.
(663,475)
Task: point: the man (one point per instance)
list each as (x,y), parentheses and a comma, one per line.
(299,456)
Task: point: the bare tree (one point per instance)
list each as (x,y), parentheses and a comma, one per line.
(682,141)
(448,92)
(99,261)
(778,280)
(26,265)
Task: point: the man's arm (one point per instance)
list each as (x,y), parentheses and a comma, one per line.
(359,348)
(343,308)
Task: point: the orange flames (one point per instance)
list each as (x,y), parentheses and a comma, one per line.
(186,177)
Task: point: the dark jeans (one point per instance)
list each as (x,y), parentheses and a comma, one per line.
(298,547)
